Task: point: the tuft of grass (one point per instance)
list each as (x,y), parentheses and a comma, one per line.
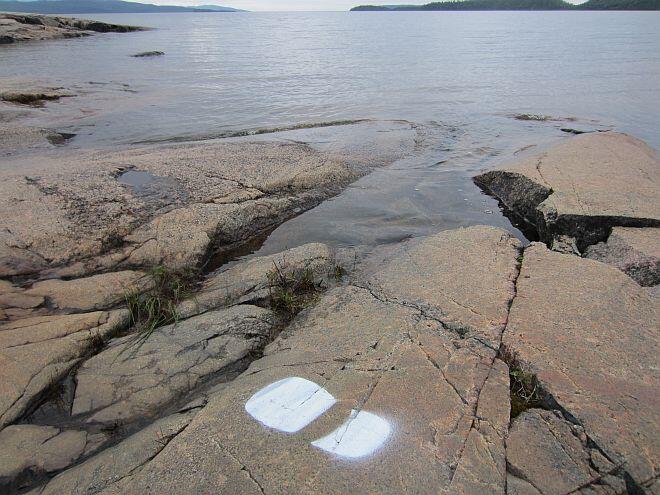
(291,290)
(460,329)
(337,272)
(55,393)
(157,306)
(524,389)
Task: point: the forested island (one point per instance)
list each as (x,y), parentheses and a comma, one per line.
(100,7)
(520,5)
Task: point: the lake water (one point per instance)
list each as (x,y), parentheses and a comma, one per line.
(468,71)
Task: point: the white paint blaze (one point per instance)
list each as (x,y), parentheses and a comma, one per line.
(362,434)
(290,404)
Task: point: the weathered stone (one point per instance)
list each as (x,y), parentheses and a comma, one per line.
(216,195)
(36,352)
(37,449)
(118,463)
(633,251)
(545,451)
(426,278)
(582,187)
(29,27)
(132,380)
(14,138)
(444,396)
(18,299)
(248,281)
(590,334)
(90,293)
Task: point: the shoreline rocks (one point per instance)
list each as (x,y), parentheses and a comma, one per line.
(154,53)
(31,27)
(220,195)
(581,187)
(635,252)
(420,353)
(132,379)
(590,335)
(416,337)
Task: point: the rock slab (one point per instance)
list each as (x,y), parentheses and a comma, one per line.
(443,394)
(132,380)
(635,252)
(37,352)
(590,334)
(582,187)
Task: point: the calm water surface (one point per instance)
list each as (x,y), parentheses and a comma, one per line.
(228,71)
(467,71)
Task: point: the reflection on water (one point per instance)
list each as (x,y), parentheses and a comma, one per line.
(254,70)
(458,75)
(415,196)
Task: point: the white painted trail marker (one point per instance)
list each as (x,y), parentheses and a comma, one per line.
(290,404)
(362,434)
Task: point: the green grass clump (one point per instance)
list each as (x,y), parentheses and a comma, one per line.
(291,290)
(157,306)
(524,389)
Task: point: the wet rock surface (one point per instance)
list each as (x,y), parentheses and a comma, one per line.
(154,53)
(75,209)
(31,27)
(582,187)
(399,376)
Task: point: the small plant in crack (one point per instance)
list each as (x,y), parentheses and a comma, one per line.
(524,389)
(113,430)
(337,272)
(459,328)
(95,342)
(291,290)
(157,306)
(161,438)
(55,393)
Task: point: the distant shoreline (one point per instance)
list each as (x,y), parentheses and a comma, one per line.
(71,7)
(518,5)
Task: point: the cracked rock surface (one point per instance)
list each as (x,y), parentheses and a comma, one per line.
(83,294)
(590,334)
(548,455)
(445,394)
(77,217)
(582,187)
(107,471)
(248,281)
(633,251)
(38,351)
(33,451)
(128,381)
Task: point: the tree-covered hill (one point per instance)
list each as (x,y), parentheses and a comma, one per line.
(520,5)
